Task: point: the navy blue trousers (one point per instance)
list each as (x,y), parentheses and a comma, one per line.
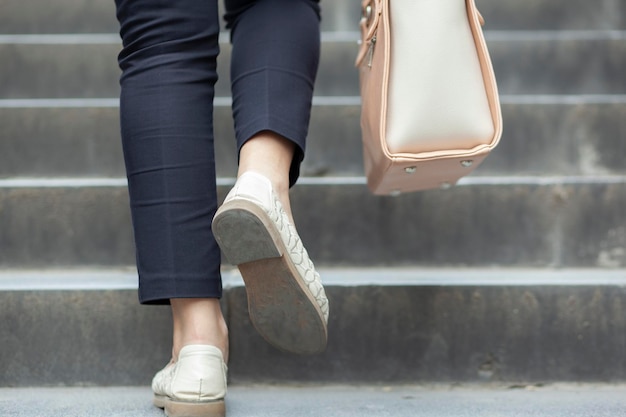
(168,64)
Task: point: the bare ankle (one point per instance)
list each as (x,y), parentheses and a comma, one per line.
(270,155)
(198,321)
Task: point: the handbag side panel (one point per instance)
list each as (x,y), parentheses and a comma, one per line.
(489,78)
(373,64)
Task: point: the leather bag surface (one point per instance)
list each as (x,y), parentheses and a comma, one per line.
(430,106)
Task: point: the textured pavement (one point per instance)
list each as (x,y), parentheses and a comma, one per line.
(341,401)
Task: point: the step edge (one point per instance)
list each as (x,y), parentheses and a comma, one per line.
(95,182)
(126,279)
(318,101)
(339,36)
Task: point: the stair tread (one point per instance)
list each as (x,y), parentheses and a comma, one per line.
(432,400)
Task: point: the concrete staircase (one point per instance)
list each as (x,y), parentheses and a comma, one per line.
(516,274)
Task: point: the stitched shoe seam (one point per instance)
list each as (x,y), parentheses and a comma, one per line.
(294,244)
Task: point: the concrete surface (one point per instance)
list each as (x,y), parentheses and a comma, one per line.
(546,135)
(336,401)
(96,16)
(85,66)
(535,221)
(387,325)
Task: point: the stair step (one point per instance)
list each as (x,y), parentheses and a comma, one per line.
(535,221)
(547,135)
(85,66)
(356,400)
(95,16)
(439,326)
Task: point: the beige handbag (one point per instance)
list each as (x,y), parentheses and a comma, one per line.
(430,106)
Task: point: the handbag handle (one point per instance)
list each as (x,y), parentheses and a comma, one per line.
(371,11)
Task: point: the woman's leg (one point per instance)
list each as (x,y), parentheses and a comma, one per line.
(167,90)
(275,57)
(274,63)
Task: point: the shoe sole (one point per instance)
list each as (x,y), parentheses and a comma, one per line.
(280,305)
(174,408)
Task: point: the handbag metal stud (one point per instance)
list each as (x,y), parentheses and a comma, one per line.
(367,14)
(467,163)
(410,170)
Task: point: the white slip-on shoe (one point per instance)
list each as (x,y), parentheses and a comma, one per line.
(286,300)
(194,386)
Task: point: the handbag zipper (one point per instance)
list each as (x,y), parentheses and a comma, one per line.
(370,53)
